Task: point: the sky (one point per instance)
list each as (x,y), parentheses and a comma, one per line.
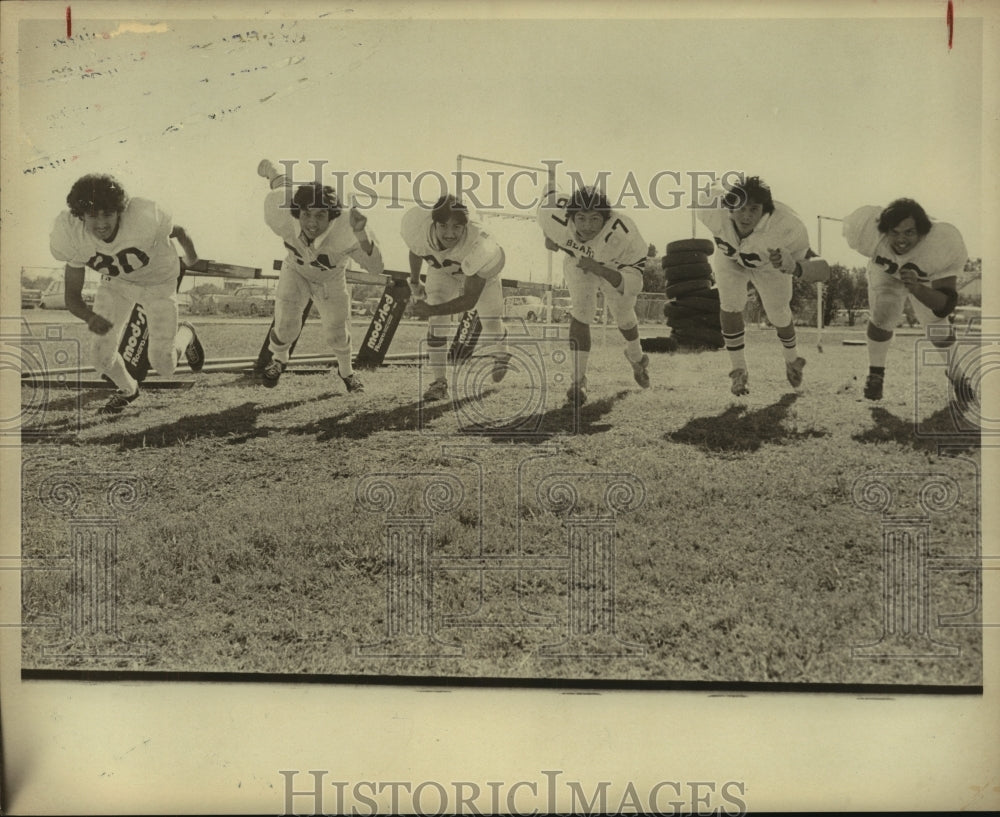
(833,113)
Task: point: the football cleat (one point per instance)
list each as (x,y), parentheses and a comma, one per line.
(194,352)
(577,394)
(438,390)
(272,373)
(739,385)
(640,370)
(501,365)
(873,386)
(118,403)
(793,371)
(353,384)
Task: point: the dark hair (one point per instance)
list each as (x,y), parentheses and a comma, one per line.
(96,193)
(900,210)
(752,189)
(315,196)
(588,199)
(448,207)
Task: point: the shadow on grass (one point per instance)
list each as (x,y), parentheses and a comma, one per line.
(937,433)
(557,422)
(533,430)
(354,425)
(736,429)
(238,424)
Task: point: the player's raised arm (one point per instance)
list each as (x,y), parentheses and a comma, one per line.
(182,237)
(367,253)
(276,214)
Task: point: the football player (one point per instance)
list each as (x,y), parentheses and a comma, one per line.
(604,251)
(910,258)
(760,241)
(320,242)
(126,240)
(464,264)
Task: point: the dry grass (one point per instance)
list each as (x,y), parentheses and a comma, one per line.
(747,560)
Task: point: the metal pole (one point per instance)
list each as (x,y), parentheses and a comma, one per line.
(819,288)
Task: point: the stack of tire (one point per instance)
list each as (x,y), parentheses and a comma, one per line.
(692,309)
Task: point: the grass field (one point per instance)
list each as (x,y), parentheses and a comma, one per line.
(676,534)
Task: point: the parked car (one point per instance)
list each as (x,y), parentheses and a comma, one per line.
(561,309)
(54,296)
(247,300)
(30,298)
(967,318)
(527,307)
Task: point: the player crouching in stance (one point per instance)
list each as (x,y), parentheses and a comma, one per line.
(464,264)
(763,242)
(128,242)
(319,245)
(912,257)
(604,251)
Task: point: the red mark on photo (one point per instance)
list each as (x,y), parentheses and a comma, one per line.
(951,22)
(69,22)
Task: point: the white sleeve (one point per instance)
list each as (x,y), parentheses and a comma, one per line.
(277,215)
(861,229)
(484,254)
(632,249)
(62,245)
(953,253)
(552,216)
(792,237)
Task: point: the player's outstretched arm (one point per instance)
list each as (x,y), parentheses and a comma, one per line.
(190,254)
(417,290)
(612,276)
(73,278)
(474,286)
(372,256)
(939,296)
(267,170)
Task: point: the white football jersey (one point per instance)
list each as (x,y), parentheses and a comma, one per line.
(939,254)
(618,245)
(328,253)
(781,230)
(477,251)
(140,252)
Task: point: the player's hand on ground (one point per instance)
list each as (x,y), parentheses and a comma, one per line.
(421,309)
(98,324)
(266,169)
